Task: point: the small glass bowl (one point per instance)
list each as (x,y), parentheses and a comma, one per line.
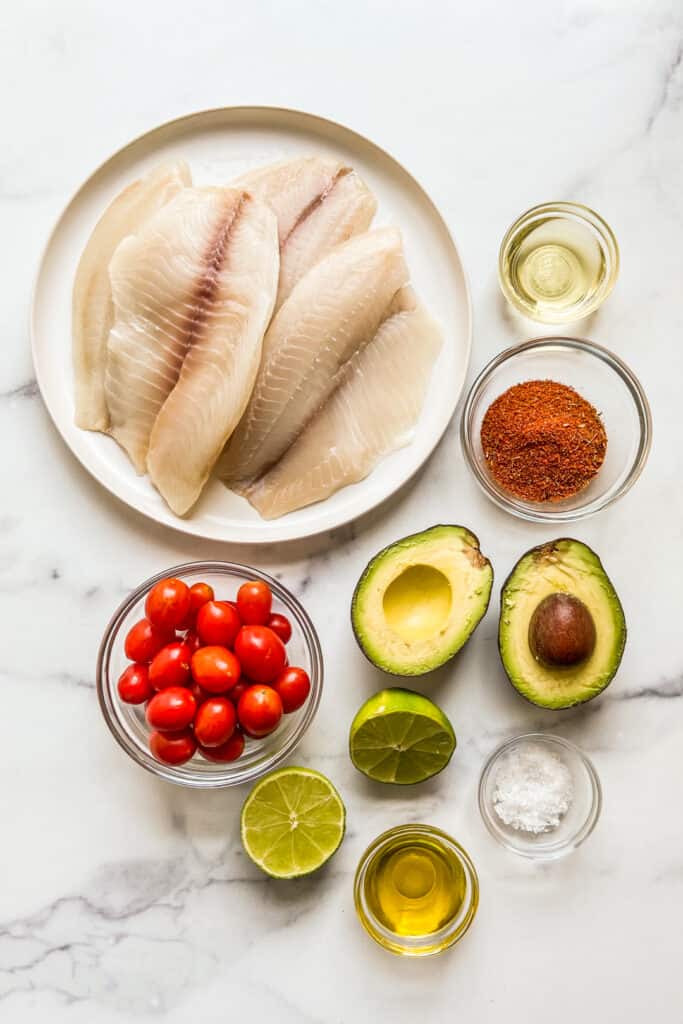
(574,827)
(416,945)
(127,722)
(587,233)
(600,377)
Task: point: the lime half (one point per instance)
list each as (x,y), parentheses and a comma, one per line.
(292,822)
(400,736)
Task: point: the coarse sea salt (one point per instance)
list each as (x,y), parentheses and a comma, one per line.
(532,789)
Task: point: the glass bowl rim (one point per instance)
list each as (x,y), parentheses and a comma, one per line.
(582,832)
(223,775)
(518,507)
(577,212)
(383,936)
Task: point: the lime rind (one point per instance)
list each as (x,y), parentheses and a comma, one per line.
(292,822)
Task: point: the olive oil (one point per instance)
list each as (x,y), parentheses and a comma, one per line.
(416,890)
(415,887)
(558,263)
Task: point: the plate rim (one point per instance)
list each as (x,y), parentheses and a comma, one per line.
(182,525)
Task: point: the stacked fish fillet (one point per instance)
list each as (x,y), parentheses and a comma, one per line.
(258,331)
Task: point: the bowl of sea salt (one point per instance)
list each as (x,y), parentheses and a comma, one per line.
(539,795)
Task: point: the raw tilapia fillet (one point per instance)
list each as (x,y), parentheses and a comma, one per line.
(92,307)
(319,203)
(171,286)
(222,361)
(332,312)
(372,412)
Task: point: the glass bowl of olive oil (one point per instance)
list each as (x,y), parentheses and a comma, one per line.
(558,262)
(416,890)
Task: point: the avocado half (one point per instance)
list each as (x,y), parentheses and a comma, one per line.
(420,599)
(563,566)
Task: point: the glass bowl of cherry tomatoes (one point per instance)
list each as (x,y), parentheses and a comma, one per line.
(209,674)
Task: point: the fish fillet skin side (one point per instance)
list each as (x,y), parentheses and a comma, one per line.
(222,361)
(163,287)
(92,306)
(319,202)
(332,312)
(372,412)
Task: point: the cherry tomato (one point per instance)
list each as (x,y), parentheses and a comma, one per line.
(261,653)
(218,623)
(253,603)
(172,709)
(144,640)
(215,668)
(199,694)
(173,747)
(200,594)
(214,722)
(167,604)
(228,751)
(133,685)
(293,685)
(281,626)
(259,710)
(238,689)
(192,640)
(171,666)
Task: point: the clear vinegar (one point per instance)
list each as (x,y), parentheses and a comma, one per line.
(554,266)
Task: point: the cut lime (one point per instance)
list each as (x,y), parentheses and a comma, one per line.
(400,736)
(292,822)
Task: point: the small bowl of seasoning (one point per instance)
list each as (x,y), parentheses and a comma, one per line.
(539,796)
(556,429)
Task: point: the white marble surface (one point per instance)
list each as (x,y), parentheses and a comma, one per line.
(124,898)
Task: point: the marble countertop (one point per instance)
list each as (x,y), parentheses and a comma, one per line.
(126,899)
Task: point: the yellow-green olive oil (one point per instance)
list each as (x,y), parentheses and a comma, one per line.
(414,886)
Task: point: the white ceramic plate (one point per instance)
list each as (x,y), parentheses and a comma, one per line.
(219,144)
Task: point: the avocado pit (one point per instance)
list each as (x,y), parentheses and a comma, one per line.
(562,631)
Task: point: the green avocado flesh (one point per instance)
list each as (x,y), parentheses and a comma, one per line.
(560,567)
(419,600)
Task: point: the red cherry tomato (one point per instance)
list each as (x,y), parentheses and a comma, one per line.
(253,603)
(218,623)
(259,710)
(238,689)
(261,653)
(200,594)
(144,640)
(171,666)
(215,668)
(168,604)
(172,709)
(199,694)
(214,722)
(192,640)
(281,626)
(228,751)
(133,685)
(174,747)
(293,685)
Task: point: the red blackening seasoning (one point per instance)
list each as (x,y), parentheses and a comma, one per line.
(542,441)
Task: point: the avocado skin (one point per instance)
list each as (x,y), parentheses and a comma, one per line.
(409,541)
(541,549)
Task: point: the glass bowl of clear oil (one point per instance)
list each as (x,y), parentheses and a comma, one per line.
(558,262)
(416,890)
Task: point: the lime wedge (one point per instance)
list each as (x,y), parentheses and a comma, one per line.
(292,822)
(400,736)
